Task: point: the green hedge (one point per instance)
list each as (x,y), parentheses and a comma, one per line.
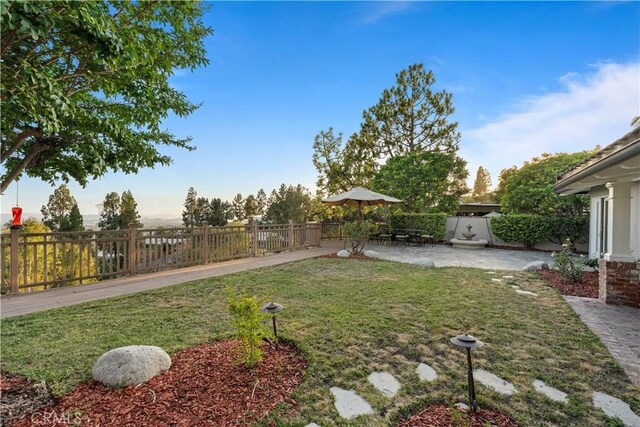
(532,229)
(433,224)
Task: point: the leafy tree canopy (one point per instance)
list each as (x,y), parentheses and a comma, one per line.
(85,85)
(289,203)
(529,189)
(426,181)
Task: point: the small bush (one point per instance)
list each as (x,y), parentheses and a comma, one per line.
(568,265)
(250,330)
(358,232)
(434,224)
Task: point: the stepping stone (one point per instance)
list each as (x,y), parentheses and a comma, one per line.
(426,372)
(496,280)
(614,407)
(312,425)
(490,272)
(349,404)
(507,277)
(494,382)
(550,392)
(515,287)
(462,407)
(526,293)
(386,383)
(535,266)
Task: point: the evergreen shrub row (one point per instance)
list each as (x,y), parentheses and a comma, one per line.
(532,229)
(434,224)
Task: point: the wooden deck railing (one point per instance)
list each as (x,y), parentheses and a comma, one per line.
(332,230)
(37,261)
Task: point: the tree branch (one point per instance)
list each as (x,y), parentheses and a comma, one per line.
(22,136)
(20,167)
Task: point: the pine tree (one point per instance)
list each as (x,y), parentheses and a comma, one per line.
(202,211)
(217,214)
(250,206)
(110,215)
(188,214)
(74,221)
(129,211)
(55,214)
(261,201)
(481,186)
(238,207)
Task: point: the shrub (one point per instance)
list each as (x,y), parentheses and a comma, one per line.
(434,224)
(574,228)
(526,229)
(358,232)
(250,329)
(532,229)
(568,265)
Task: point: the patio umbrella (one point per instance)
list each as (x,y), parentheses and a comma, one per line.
(360,197)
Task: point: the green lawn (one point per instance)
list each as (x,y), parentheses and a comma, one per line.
(352,318)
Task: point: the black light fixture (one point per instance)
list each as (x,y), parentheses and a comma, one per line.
(273,308)
(468,342)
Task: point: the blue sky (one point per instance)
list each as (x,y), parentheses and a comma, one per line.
(526,77)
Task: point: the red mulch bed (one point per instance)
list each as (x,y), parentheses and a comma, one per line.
(203,387)
(20,396)
(587,288)
(443,416)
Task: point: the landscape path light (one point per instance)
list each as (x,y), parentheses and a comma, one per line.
(468,342)
(273,308)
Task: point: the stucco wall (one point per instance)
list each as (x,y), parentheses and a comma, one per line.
(458,224)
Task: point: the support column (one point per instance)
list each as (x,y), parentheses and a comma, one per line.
(619,273)
(619,223)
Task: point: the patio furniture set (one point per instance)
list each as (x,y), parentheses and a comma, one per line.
(386,236)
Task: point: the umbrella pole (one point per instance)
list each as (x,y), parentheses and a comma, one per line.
(360,210)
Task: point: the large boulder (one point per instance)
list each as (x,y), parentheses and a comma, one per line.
(536,265)
(371,254)
(131,365)
(424,262)
(344,254)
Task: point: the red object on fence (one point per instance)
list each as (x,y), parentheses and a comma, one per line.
(16,222)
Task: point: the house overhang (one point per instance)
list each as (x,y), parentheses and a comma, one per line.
(618,162)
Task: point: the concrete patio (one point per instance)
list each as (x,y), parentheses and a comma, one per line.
(447,256)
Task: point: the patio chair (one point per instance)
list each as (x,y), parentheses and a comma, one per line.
(428,239)
(384,235)
(402,236)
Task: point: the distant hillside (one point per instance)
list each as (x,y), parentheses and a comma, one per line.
(91,221)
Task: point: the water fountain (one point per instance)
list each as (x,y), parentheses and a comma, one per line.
(467,242)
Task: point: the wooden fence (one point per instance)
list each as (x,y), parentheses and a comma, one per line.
(37,261)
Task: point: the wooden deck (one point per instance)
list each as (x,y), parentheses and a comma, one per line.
(19,304)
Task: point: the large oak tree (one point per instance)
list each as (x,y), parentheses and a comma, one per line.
(85,85)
